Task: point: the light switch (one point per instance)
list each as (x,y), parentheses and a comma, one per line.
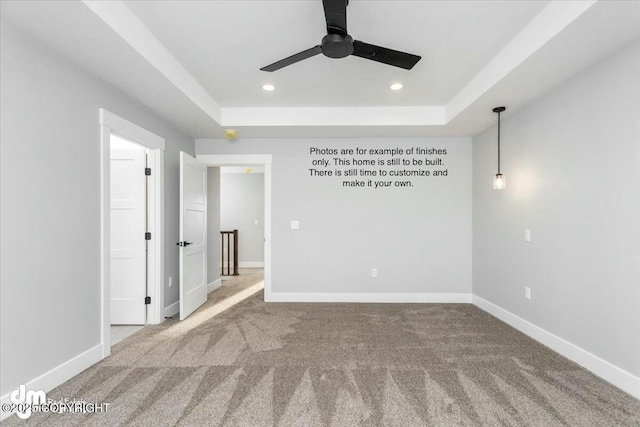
(255,222)
(295,225)
(527,235)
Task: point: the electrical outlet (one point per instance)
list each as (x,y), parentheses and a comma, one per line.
(527,292)
(170,281)
(295,225)
(374,272)
(527,235)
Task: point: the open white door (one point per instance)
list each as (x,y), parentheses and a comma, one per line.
(193,234)
(128,264)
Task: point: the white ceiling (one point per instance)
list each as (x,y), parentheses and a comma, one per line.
(196,63)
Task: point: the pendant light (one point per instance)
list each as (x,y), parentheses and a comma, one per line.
(499,181)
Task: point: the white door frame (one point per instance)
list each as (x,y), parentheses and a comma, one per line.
(111,123)
(252,159)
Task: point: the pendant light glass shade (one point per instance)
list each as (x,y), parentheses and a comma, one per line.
(499,181)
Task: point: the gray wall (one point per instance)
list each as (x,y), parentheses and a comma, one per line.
(50,196)
(213,224)
(572,165)
(418,238)
(242,204)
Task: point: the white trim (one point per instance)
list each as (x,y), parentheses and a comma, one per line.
(214,285)
(58,375)
(111,123)
(267,228)
(105,238)
(235,159)
(605,370)
(131,131)
(451,298)
(250,264)
(551,21)
(250,169)
(155,268)
(126,24)
(172,310)
(248,159)
(334,116)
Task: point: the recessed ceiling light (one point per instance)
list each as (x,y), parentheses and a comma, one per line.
(396,86)
(268,87)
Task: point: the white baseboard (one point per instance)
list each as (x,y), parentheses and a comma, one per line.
(367,298)
(172,310)
(58,375)
(214,285)
(250,264)
(605,370)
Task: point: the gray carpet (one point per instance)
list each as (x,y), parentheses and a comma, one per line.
(235,284)
(291,364)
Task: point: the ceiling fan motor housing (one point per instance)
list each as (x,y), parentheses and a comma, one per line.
(337,45)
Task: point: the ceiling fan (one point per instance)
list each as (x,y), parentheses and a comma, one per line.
(338,44)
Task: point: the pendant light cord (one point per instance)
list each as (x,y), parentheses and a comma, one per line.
(498,142)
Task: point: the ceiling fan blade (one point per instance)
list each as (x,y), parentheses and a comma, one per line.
(335,13)
(384,55)
(293,59)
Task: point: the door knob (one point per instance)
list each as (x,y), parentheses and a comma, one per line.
(183,244)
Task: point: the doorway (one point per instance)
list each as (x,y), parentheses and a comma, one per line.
(128,221)
(144,305)
(258,161)
(242,209)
